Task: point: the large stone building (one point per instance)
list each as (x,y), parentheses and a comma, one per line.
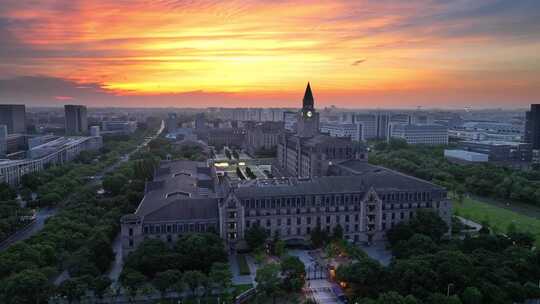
(76,119)
(365,200)
(308,153)
(328,183)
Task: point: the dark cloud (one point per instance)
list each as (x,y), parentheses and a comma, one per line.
(357,62)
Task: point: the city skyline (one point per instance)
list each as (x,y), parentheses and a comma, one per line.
(366,54)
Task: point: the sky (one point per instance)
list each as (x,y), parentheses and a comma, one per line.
(260,53)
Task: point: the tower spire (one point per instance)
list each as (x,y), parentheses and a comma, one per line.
(308,102)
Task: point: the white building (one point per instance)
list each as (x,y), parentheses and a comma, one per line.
(467,156)
(353,131)
(55,152)
(420,134)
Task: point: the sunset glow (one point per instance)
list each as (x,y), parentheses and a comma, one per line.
(248,53)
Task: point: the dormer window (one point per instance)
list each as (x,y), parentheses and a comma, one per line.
(177,193)
(181,174)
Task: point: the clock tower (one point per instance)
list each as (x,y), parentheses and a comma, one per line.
(308,120)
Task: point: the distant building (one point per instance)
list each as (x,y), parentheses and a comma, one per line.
(352,131)
(171,124)
(420,134)
(223,137)
(532,127)
(200,121)
(76,119)
(118,127)
(3,140)
(308,153)
(290,120)
(374,125)
(14,117)
(465,156)
(94,131)
(54,152)
(486,131)
(263,136)
(500,151)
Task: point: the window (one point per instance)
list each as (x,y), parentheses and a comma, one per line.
(130,231)
(130,243)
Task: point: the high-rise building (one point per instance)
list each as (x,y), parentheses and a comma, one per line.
(76,119)
(532,126)
(200,121)
(3,140)
(14,117)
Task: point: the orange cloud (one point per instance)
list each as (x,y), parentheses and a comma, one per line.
(260,48)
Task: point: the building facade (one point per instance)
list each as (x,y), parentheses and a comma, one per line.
(54,152)
(532,126)
(420,134)
(263,136)
(352,131)
(365,200)
(13,117)
(76,119)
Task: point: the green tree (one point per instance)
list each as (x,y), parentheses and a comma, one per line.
(393,297)
(100,285)
(114,183)
(166,280)
(72,289)
(471,295)
(132,281)
(27,286)
(294,272)
(221,276)
(318,237)
(268,281)
(337,234)
(256,236)
(194,279)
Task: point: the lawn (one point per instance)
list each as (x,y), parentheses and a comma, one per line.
(498,218)
(243,265)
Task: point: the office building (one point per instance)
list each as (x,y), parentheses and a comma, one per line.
(352,131)
(200,121)
(532,127)
(76,119)
(13,117)
(420,134)
(3,140)
(263,136)
(500,151)
(463,156)
(54,152)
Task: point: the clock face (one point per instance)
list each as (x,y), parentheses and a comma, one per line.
(309,113)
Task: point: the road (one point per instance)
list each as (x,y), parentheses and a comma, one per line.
(43,214)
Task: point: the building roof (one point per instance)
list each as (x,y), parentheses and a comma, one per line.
(381,179)
(186,209)
(175,180)
(308,101)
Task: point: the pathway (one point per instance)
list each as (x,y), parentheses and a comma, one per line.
(235,269)
(319,290)
(378,251)
(41,216)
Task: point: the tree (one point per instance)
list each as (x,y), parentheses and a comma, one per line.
(471,295)
(114,183)
(393,297)
(418,244)
(318,237)
(294,272)
(337,234)
(132,281)
(100,286)
(72,289)
(52,198)
(256,236)
(198,252)
(365,276)
(194,279)
(27,286)
(429,223)
(221,276)
(268,281)
(165,281)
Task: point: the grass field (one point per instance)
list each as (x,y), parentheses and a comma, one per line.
(498,218)
(243,265)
